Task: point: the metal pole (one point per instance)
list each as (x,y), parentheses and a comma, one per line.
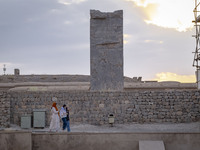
(197,54)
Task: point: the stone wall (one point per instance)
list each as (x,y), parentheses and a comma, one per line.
(21,140)
(15,140)
(113,141)
(44,78)
(106,50)
(51,78)
(94,107)
(4,109)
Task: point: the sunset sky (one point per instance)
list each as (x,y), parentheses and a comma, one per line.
(52,37)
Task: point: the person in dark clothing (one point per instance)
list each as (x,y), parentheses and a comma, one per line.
(68,122)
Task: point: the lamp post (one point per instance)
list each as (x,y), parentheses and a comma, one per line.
(4,68)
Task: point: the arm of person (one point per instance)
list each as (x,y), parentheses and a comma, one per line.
(54,111)
(61,113)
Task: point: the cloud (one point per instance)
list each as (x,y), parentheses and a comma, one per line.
(69,2)
(168,76)
(153,41)
(68,22)
(56,38)
(126,38)
(167,13)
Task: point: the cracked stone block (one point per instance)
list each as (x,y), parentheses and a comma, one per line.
(106,50)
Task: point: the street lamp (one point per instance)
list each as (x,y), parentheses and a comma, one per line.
(4,68)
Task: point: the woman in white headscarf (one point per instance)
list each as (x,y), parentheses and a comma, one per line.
(55,120)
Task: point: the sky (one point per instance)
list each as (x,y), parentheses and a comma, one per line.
(53,37)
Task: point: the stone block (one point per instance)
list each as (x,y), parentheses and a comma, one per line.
(151,145)
(106,50)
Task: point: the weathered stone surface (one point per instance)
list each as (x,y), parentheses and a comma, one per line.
(15,140)
(94,107)
(49,78)
(106,50)
(4,109)
(151,145)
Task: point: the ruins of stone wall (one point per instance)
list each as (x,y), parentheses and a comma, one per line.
(4,109)
(94,107)
(44,78)
(53,78)
(106,50)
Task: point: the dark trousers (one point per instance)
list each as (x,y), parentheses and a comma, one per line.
(64,123)
(68,126)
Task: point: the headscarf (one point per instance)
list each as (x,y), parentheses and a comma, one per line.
(54,105)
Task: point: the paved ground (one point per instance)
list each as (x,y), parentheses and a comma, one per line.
(156,127)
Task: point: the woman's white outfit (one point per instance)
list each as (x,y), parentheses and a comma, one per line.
(55,120)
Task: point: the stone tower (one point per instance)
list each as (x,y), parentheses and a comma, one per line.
(106,50)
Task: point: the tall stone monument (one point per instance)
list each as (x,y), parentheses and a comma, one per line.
(106,50)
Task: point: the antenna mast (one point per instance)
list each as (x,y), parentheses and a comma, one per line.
(196,61)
